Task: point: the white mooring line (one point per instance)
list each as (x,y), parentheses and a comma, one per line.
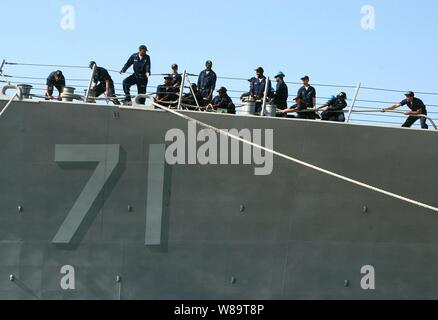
(303,163)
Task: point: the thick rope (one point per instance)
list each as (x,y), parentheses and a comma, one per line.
(302,163)
(8,104)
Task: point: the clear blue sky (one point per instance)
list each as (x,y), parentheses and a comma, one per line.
(321,38)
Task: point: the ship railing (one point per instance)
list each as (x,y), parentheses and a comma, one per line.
(182,106)
(364,100)
(350,112)
(401,113)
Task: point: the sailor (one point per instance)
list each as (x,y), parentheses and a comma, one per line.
(176,78)
(258,89)
(207,81)
(333,109)
(223,103)
(55,80)
(418,108)
(103,83)
(142,70)
(308,93)
(246,95)
(193,100)
(165,93)
(299,108)
(281,92)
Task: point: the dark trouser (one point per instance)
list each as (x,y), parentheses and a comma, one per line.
(311,115)
(50,89)
(206,95)
(281,105)
(140,81)
(411,120)
(258,107)
(231,108)
(333,116)
(101,89)
(308,115)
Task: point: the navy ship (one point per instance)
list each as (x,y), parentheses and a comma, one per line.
(132,202)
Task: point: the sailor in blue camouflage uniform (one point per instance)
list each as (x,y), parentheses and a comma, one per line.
(258,88)
(207,81)
(223,103)
(281,93)
(103,83)
(142,70)
(418,108)
(55,80)
(333,109)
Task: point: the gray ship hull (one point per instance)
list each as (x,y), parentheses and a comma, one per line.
(153,231)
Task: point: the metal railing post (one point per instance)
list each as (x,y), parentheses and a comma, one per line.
(8,104)
(1,67)
(353,102)
(265,98)
(181,90)
(87,95)
(193,92)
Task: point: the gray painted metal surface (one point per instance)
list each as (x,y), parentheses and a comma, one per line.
(302,235)
(107,157)
(157,205)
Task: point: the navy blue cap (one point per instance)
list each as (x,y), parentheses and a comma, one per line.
(342,95)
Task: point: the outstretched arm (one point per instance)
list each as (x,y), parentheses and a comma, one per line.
(48,93)
(393,107)
(324,106)
(290,110)
(128,64)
